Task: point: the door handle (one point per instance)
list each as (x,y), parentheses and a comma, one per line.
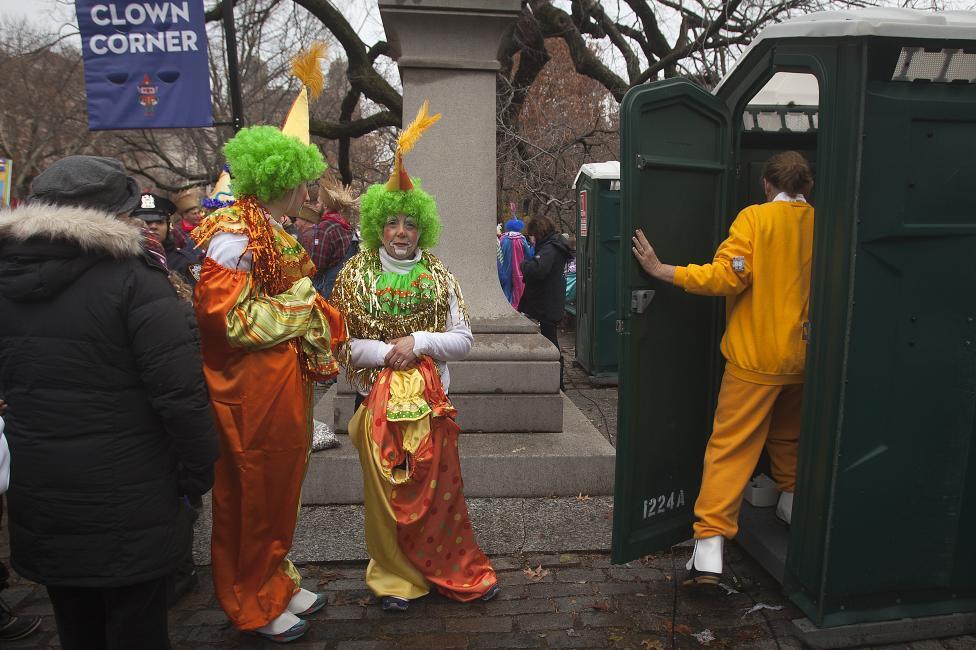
(640,299)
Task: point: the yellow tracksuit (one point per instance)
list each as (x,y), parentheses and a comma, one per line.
(763,270)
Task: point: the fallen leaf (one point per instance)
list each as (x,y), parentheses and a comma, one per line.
(704,637)
(572,632)
(615,637)
(326,578)
(583,497)
(681,628)
(566,558)
(536,574)
(602,606)
(668,577)
(761,606)
(364,601)
(651,644)
(640,595)
(728,590)
(518,449)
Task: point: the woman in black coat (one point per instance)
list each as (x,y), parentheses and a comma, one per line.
(109,421)
(544,298)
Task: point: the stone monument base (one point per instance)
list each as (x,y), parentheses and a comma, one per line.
(577,460)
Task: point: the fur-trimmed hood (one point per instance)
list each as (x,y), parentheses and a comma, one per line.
(46,248)
(96,233)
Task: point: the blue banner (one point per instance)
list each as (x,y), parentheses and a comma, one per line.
(146,64)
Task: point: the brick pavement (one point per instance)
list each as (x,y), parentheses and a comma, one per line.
(577,601)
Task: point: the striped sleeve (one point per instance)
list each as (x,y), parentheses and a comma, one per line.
(259,322)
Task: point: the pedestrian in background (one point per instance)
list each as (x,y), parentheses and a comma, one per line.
(324,229)
(513,249)
(156,213)
(190,210)
(108,422)
(763,270)
(544,299)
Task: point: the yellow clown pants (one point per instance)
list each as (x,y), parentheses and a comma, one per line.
(748,416)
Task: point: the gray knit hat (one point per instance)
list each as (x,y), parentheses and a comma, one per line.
(87,181)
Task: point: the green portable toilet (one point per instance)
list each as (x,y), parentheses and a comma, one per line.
(597,251)
(884,521)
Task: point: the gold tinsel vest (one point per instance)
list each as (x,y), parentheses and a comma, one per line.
(365,306)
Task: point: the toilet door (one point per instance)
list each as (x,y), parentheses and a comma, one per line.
(675,168)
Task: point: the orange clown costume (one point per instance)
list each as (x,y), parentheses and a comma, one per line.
(418,533)
(266,336)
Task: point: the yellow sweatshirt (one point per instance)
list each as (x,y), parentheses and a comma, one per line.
(763,270)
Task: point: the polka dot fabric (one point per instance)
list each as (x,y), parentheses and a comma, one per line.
(433,527)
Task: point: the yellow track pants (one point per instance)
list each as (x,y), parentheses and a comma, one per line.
(747,417)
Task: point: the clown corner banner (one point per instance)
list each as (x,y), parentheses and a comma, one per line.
(145,64)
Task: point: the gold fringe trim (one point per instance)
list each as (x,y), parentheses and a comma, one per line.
(247,217)
(354,294)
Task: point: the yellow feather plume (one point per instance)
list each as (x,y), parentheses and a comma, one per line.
(408,138)
(307,68)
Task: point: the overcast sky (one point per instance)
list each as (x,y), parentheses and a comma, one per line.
(53,14)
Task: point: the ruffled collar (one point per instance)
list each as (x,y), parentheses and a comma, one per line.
(390,264)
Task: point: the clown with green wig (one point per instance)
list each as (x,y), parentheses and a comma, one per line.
(266,336)
(405,319)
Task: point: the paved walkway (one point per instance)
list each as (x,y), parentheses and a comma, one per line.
(552,600)
(548,601)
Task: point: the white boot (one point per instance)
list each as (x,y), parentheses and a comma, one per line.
(286,627)
(784,507)
(306,603)
(705,565)
(302,600)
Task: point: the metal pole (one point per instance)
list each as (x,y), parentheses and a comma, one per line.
(230,36)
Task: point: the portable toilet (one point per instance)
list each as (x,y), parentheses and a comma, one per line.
(597,251)
(884,520)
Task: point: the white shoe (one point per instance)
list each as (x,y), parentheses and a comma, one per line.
(282,625)
(784,507)
(305,603)
(705,565)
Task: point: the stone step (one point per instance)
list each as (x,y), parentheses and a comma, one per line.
(500,413)
(576,460)
(502,526)
(517,377)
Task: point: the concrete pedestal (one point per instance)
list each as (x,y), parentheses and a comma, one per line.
(447,52)
(523,438)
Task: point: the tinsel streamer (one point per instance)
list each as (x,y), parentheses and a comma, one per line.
(266,265)
(355,296)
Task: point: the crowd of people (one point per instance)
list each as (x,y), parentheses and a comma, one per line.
(152,350)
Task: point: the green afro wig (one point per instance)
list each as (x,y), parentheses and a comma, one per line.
(378,203)
(266,163)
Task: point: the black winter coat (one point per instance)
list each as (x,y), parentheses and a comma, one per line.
(544,298)
(109,420)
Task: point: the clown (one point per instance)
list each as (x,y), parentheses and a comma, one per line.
(405,319)
(266,336)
